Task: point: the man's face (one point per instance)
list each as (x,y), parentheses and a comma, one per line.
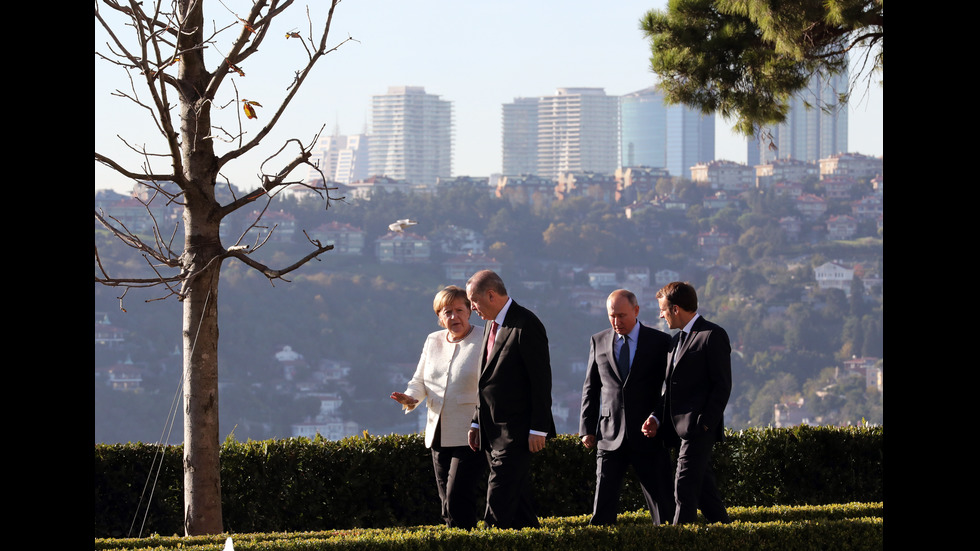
(669,313)
(482,304)
(622,314)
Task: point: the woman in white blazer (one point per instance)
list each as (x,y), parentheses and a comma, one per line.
(447,377)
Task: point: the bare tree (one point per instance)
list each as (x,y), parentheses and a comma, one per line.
(161,48)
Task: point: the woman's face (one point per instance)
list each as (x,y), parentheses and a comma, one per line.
(456,318)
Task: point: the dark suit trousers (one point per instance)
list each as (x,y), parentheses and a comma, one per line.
(651,463)
(457,469)
(509,500)
(694,482)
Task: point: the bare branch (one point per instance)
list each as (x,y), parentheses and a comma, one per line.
(135,242)
(289,97)
(277,274)
(127,173)
(250,26)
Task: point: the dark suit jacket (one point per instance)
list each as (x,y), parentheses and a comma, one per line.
(700,383)
(515,384)
(613,408)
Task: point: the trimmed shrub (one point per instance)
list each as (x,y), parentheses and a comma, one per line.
(364,482)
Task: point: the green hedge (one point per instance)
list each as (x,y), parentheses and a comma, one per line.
(300,484)
(853,526)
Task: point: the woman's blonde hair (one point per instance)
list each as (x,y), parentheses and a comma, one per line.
(448,296)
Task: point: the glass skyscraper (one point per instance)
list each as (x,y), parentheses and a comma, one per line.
(664,136)
(809,133)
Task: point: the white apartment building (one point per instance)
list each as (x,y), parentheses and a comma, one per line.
(411,136)
(578,131)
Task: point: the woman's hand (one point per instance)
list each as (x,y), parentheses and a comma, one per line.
(403,399)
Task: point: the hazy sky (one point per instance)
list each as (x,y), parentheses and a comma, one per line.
(477,55)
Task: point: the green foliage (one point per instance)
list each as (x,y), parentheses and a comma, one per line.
(746,58)
(365,482)
(853,526)
(801,465)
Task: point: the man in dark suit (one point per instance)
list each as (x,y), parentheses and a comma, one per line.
(622,386)
(695,393)
(513,418)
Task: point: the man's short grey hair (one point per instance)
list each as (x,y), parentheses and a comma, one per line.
(486,280)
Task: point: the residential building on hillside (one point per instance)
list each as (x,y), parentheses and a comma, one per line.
(278,225)
(865,367)
(711,242)
(455,240)
(464,180)
(411,135)
(853,165)
(527,189)
(108,335)
(784,170)
(868,207)
(841,227)
(788,189)
(458,269)
(791,414)
(791,227)
(633,182)
(831,275)
(665,276)
(363,189)
(838,187)
(402,248)
(596,186)
(811,206)
(726,175)
(719,200)
(346,239)
(137,216)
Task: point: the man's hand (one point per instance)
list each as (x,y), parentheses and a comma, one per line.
(650,427)
(535,442)
(473,438)
(588,441)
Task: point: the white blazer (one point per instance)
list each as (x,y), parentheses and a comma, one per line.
(447,378)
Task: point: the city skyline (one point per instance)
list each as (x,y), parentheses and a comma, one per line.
(479,57)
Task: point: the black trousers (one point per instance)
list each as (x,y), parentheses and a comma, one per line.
(457,469)
(509,500)
(694,482)
(651,464)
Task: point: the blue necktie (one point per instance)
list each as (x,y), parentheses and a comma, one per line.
(623,362)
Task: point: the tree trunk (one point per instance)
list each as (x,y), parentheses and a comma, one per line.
(202,480)
(202,244)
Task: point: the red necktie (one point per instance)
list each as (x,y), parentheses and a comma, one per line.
(492,339)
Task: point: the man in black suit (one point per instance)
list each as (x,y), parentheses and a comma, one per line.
(695,393)
(513,418)
(622,386)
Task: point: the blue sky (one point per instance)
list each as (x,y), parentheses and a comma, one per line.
(478,55)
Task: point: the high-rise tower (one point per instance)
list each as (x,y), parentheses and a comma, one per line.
(808,134)
(342,158)
(411,135)
(658,135)
(578,130)
(520,137)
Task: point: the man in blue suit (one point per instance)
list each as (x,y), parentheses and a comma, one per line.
(622,386)
(696,389)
